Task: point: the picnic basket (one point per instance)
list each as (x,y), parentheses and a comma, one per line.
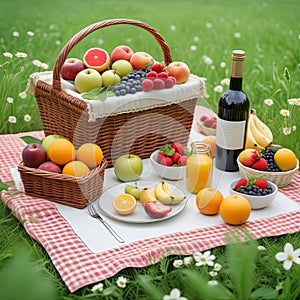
(116,134)
(281,179)
(73,191)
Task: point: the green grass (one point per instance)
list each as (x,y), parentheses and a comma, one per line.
(269,33)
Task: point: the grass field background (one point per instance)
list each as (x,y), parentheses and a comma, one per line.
(200,33)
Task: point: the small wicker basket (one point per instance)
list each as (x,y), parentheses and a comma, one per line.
(62,113)
(281,179)
(73,191)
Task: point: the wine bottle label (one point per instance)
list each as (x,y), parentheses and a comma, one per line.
(230,135)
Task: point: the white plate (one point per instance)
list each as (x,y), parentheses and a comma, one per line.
(139,215)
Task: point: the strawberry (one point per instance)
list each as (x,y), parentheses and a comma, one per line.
(241,182)
(160,155)
(261,183)
(182,160)
(175,157)
(248,157)
(166,161)
(178,148)
(157,209)
(260,164)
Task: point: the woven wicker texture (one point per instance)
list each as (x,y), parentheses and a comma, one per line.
(68,190)
(138,132)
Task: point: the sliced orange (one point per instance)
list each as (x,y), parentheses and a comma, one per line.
(96,58)
(124,204)
(91,154)
(75,168)
(208,201)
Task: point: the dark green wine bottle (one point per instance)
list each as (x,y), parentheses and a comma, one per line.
(233,112)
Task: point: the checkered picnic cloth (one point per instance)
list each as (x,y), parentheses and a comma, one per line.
(78,266)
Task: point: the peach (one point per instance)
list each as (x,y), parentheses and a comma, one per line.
(179,70)
(248,156)
(121,52)
(141,60)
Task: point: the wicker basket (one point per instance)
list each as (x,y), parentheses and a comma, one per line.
(281,179)
(62,113)
(68,190)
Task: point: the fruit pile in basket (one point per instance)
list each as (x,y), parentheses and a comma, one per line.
(122,72)
(56,154)
(270,159)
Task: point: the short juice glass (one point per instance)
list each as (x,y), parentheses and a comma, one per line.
(199,168)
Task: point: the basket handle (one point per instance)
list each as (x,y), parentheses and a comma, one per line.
(56,84)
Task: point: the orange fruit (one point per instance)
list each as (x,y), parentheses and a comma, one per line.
(75,168)
(124,204)
(235,209)
(285,159)
(91,154)
(211,140)
(96,58)
(208,201)
(61,151)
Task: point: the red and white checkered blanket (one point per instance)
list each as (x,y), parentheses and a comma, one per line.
(78,266)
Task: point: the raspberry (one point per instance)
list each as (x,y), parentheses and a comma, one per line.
(157,67)
(151,74)
(163,75)
(147,84)
(158,84)
(169,83)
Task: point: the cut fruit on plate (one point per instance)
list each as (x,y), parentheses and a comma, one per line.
(96,58)
(157,209)
(124,204)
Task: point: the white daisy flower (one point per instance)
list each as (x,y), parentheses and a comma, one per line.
(121,282)
(204,259)
(174,295)
(97,287)
(289,256)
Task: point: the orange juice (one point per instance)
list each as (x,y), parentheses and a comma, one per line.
(199,168)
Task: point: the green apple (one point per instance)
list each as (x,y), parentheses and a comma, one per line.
(48,140)
(133,191)
(123,67)
(128,167)
(110,78)
(88,79)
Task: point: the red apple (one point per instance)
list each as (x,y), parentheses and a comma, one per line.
(141,60)
(179,70)
(121,52)
(50,166)
(71,67)
(33,155)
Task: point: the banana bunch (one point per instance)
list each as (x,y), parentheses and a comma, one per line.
(165,195)
(259,135)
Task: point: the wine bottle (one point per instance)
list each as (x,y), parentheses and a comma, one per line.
(233,112)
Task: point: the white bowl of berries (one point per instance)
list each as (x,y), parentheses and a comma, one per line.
(258,191)
(169,162)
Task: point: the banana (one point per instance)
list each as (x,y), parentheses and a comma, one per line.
(251,141)
(165,196)
(147,195)
(262,127)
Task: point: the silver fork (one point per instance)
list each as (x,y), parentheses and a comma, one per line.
(96,215)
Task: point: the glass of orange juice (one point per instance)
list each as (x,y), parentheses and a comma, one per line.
(199,167)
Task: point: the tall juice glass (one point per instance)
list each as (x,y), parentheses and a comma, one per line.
(199,167)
